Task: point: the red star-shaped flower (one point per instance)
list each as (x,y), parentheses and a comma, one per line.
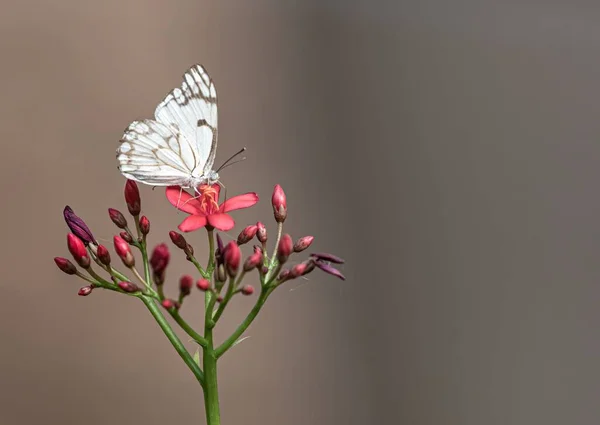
(205,209)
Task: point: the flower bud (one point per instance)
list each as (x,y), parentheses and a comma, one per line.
(78,226)
(303,243)
(279,202)
(124,251)
(247,290)
(219,299)
(65,265)
(253,261)
(129,287)
(168,303)
(85,291)
(261,232)
(159,260)
(220,251)
(118,218)
(327,257)
(232,257)
(144,225)
(103,255)
(284,275)
(220,275)
(284,248)
(185,284)
(329,269)
(302,269)
(132,198)
(78,251)
(178,240)
(126,237)
(203,284)
(247,234)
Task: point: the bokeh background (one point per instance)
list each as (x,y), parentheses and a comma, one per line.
(448,150)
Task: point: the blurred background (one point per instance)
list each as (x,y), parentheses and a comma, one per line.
(447,150)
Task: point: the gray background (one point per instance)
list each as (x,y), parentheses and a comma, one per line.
(448,150)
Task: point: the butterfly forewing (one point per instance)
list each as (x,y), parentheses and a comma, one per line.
(181,143)
(193,109)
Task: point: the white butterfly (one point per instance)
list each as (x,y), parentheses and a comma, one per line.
(178,147)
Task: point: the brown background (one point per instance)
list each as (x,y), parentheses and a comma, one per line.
(448,150)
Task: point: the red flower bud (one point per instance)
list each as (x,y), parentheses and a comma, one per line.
(118,218)
(65,265)
(129,287)
(302,269)
(248,290)
(78,226)
(126,237)
(185,284)
(219,299)
(247,234)
(168,303)
(303,243)
(279,202)
(85,291)
(253,261)
(285,248)
(124,251)
(178,240)
(159,260)
(203,284)
(144,225)
(284,275)
(103,255)
(78,251)
(261,232)
(132,198)
(233,256)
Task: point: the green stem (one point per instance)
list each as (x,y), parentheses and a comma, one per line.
(187,328)
(144,249)
(211,390)
(264,294)
(173,338)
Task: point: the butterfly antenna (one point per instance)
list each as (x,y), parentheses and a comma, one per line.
(225,164)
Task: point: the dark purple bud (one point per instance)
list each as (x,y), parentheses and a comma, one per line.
(118,218)
(78,226)
(329,269)
(85,291)
(327,257)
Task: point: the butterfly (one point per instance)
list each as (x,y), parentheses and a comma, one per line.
(177,147)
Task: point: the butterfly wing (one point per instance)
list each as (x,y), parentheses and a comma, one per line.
(193,110)
(155,153)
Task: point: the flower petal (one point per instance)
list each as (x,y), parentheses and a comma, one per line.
(222,222)
(238,202)
(193,222)
(182,200)
(325,256)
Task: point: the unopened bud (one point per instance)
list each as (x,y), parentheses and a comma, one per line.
(178,240)
(324,256)
(284,275)
(247,234)
(85,291)
(185,284)
(124,251)
(233,256)
(168,303)
(247,290)
(159,260)
(220,275)
(261,232)
(129,287)
(279,202)
(118,218)
(253,261)
(103,255)
(126,237)
(144,225)
(220,251)
(132,198)
(302,269)
(219,299)
(303,243)
(65,265)
(203,284)
(78,226)
(78,251)
(284,249)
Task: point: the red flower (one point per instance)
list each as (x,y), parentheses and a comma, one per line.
(205,209)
